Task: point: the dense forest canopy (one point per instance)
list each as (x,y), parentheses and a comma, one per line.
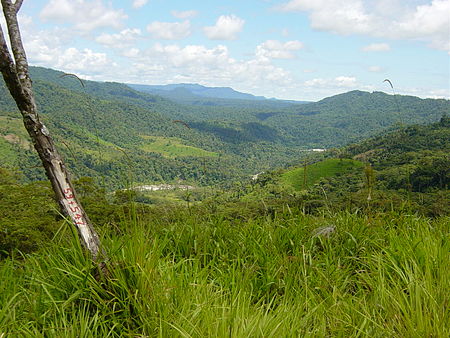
(213,144)
(290,235)
(191,209)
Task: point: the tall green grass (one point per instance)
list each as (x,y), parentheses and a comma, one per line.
(198,275)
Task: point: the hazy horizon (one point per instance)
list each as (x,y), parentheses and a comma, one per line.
(294,50)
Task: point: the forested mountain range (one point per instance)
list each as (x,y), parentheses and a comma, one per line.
(407,169)
(198,95)
(116,133)
(195,90)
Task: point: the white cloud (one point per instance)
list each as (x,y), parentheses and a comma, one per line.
(184,14)
(275,49)
(345,81)
(49,48)
(377,47)
(226,28)
(428,22)
(71,59)
(338,82)
(83,60)
(394,20)
(375,69)
(120,40)
(436,93)
(210,66)
(139,3)
(84,15)
(160,63)
(342,17)
(192,55)
(131,52)
(169,30)
(315,83)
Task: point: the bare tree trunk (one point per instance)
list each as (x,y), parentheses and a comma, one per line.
(16,76)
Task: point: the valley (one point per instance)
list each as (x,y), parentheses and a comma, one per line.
(110,131)
(224,169)
(283,218)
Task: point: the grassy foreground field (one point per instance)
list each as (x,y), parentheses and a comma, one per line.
(193,274)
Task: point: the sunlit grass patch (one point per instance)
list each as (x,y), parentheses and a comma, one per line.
(173,147)
(298,179)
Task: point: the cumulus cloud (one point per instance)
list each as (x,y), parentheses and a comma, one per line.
(131,52)
(120,40)
(160,63)
(139,3)
(428,22)
(170,30)
(192,55)
(210,66)
(82,60)
(377,47)
(337,82)
(342,17)
(375,69)
(73,60)
(275,49)
(84,15)
(226,28)
(184,14)
(52,48)
(395,20)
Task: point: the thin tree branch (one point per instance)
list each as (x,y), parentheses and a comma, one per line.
(8,69)
(17,5)
(9,10)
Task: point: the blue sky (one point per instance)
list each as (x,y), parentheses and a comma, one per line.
(299,49)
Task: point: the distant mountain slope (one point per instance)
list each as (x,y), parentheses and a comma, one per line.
(349,117)
(109,129)
(113,132)
(104,135)
(195,94)
(199,90)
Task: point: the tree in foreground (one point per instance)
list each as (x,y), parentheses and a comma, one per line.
(14,68)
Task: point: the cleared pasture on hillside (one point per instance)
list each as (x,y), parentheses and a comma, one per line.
(173,147)
(299,180)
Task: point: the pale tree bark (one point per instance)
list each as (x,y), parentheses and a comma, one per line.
(15,73)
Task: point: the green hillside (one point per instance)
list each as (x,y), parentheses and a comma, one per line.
(101,137)
(99,128)
(304,177)
(172,147)
(350,117)
(411,164)
(259,259)
(180,210)
(407,169)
